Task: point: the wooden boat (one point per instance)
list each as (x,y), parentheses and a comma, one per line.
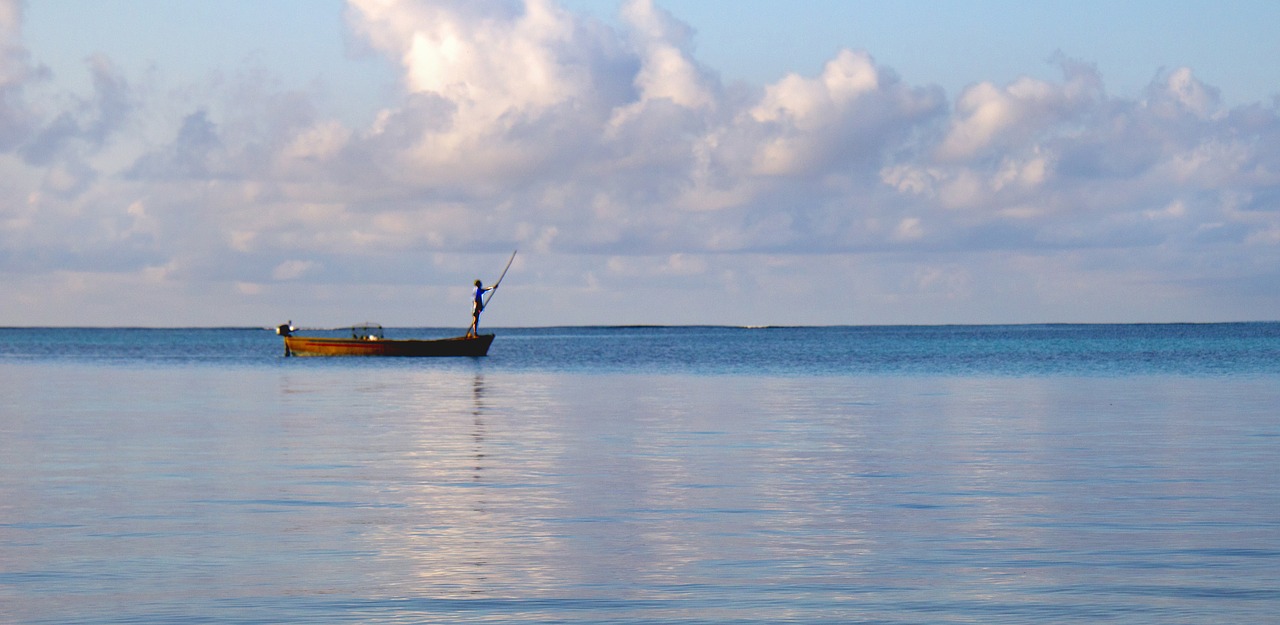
(367,340)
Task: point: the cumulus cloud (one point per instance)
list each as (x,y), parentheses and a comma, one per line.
(612,150)
(989,117)
(498,89)
(667,70)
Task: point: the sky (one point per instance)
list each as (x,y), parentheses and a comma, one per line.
(746,162)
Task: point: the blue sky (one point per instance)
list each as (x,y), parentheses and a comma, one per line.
(747,162)
(954,43)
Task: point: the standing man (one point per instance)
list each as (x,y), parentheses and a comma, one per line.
(477,305)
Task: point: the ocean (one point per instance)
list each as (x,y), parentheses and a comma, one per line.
(887,475)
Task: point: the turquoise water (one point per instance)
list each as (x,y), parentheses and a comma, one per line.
(1012,474)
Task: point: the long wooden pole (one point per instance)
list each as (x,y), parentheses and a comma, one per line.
(504,274)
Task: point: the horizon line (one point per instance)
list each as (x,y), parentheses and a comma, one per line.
(652,325)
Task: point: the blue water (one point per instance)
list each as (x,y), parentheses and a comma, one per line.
(968,474)
(1018,350)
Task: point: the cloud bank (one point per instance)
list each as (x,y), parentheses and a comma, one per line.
(639,187)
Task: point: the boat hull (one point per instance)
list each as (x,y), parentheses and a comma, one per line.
(319,346)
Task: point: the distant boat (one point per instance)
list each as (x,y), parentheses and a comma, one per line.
(367,340)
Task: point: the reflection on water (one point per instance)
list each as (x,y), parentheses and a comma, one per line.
(420,493)
(477,388)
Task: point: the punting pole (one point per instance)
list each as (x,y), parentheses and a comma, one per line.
(504,274)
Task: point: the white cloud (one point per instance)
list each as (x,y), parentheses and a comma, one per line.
(1180,92)
(667,70)
(511,78)
(613,154)
(293,269)
(490,59)
(909,229)
(811,104)
(991,117)
(850,113)
(1027,173)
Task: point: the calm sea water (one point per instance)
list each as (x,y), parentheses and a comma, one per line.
(1014,474)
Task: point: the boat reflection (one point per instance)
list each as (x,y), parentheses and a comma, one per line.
(477,413)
